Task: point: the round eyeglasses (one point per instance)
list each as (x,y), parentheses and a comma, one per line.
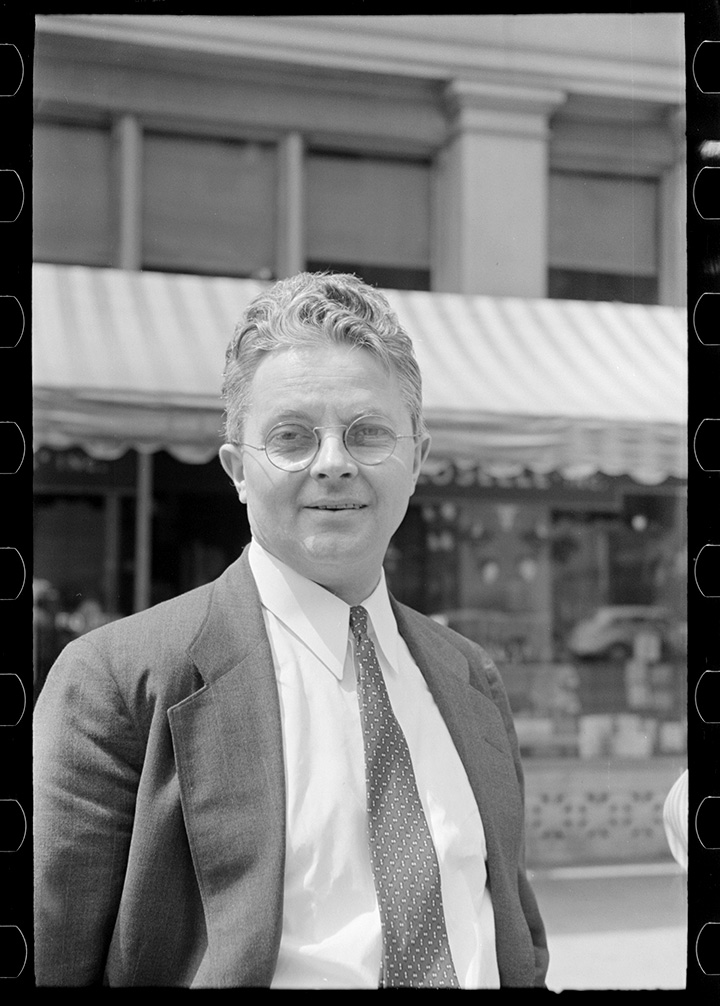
(292,447)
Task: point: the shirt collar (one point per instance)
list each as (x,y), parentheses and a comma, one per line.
(382,624)
(315,615)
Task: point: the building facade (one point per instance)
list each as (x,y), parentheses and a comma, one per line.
(489,161)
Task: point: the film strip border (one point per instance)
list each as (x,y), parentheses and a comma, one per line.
(16,627)
(703,208)
(16,678)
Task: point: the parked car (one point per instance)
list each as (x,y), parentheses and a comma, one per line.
(611,632)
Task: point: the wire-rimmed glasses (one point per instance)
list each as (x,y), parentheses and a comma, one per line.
(292,447)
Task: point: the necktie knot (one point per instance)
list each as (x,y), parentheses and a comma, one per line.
(358,620)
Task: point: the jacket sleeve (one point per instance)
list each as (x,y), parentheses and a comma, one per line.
(527,896)
(86,765)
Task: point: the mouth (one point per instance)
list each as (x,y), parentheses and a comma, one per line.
(334,507)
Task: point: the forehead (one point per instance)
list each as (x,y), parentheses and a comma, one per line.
(312,382)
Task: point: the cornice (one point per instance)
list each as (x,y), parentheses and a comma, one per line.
(361,45)
(253,102)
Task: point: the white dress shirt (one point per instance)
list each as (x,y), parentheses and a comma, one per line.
(331,936)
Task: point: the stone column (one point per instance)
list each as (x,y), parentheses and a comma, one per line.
(672,272)
(127,149)
(290,248)
(491,196)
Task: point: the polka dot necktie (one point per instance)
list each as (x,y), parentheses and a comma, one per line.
(416,952)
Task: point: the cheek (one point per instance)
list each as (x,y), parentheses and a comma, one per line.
(397,493)
(258,484)
(263,494)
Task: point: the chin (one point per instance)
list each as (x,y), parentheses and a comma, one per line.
(341,550)
(336,547)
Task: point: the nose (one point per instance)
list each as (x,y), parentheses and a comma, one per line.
(332,459)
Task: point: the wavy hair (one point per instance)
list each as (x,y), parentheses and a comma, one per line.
(310,310)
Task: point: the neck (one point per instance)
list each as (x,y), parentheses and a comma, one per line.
(350,594)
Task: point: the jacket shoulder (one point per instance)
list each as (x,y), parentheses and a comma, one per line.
(137,663)
(431,630)
(167,627)
(167,651)
(170,628)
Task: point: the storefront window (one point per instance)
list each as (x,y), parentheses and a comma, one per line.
(581,607)
(64,527)
(80,561)
(199,526)
(582,610)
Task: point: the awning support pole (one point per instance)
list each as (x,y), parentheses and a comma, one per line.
(143,532)
(111,564)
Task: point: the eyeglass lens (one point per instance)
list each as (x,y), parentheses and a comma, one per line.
(293,445)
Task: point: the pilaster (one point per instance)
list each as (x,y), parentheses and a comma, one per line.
(492,190)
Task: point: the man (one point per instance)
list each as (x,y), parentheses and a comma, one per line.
(285,778)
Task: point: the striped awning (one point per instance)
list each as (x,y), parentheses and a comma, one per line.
(134,360)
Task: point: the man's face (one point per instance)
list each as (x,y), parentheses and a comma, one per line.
(331,522)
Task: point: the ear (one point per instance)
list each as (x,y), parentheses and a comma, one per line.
(422,447)
(231,460)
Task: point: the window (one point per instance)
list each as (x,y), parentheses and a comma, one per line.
(72,201)
(371,216)
(209,206)
(603,238)
(578,284)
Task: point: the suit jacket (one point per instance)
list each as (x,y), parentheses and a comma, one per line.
(159,819)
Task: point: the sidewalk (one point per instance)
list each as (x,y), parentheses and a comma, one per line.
(615,927)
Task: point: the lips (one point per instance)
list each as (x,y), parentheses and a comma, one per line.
(336,506)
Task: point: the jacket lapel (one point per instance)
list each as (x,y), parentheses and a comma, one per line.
(228,747)
(481,739)
(472,718)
